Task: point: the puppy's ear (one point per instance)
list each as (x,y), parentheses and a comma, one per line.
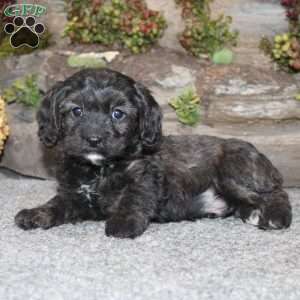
(150,117)
(48,117)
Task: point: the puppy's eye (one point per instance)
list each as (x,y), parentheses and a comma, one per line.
(118,114)
(77,111)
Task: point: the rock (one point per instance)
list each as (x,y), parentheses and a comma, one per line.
(241,87)
(17,67)
(108,56)
(252,100)
(179,78)
(47,64)
(280,107)
(23,151)
(86,60)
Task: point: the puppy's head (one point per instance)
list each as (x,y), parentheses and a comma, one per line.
(100,115)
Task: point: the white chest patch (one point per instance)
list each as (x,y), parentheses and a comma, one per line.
(212,203)
(95,158)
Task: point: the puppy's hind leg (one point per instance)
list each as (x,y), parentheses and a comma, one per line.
(273,213)
(248,180)
(209,205)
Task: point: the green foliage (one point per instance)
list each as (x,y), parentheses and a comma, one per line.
(128,22)
(7,50)
(284,49)
(223,57)
(187,107)
(25,91)
(202,34)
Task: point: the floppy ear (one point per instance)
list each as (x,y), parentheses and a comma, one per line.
(150,117)
(48,116)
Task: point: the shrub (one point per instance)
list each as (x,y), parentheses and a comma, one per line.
(187,107)
(128,22)
(284,49)
(25,91)
(202,34)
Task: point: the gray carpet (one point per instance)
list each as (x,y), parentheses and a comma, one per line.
(207,259)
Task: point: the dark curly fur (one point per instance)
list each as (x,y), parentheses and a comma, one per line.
(115,165)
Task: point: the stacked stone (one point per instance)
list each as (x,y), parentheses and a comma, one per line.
(4,130)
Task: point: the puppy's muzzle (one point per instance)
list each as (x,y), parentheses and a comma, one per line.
(94,140)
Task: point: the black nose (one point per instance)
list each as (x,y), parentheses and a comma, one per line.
(94,140)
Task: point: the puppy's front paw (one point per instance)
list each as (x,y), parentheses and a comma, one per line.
(34,218)
(125,226)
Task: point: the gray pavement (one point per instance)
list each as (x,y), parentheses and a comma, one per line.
(207,259)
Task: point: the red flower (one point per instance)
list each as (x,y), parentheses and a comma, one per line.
(292,15)
(288,3)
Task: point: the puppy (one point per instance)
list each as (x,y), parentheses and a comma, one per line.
(115,165)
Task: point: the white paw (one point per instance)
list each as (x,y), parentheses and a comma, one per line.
(254,217)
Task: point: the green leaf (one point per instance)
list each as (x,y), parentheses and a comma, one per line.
(223,57)
(187,107)
(24,91)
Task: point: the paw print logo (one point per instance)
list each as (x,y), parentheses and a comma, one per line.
(24,32)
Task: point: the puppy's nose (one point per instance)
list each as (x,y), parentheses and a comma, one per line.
(94,141)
